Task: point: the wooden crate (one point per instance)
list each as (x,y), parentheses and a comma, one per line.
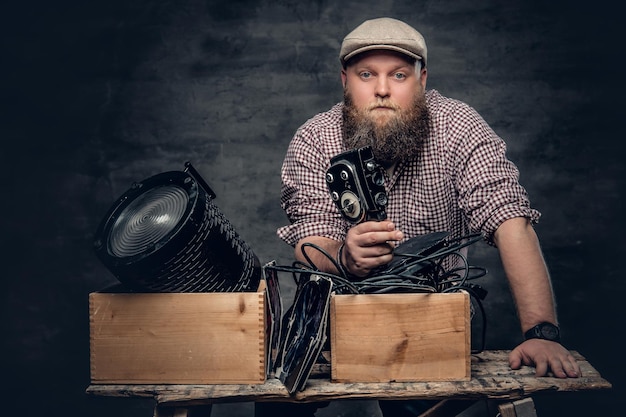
(400,337)
(178,338)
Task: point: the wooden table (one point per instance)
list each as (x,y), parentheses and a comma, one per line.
(492,379)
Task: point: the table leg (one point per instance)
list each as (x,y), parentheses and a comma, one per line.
(520,408)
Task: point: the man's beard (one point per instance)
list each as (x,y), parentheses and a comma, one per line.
(398,138)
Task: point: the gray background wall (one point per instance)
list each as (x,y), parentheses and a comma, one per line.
(96,95)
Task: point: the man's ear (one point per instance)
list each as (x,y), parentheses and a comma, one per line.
(344,77)
(423,77)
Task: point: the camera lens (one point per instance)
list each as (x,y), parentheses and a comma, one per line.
(378,178)
(381,199)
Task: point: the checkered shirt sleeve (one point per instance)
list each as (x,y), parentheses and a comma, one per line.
(304,193)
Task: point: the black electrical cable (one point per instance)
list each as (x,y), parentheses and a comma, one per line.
(477,298)
(416,273)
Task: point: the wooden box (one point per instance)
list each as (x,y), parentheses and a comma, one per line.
(400,337)
(178,338)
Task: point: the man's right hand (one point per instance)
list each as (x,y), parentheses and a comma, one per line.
(368,246)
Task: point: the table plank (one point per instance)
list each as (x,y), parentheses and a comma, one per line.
(491,379)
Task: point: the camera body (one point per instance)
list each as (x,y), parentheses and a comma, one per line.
(356,182)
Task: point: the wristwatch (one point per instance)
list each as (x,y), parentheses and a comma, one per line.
(545,330)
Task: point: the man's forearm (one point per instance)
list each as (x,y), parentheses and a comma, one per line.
(319,260)
(526,271)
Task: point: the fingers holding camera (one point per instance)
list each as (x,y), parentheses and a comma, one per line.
(369,245)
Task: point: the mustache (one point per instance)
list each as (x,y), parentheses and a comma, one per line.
(383,103)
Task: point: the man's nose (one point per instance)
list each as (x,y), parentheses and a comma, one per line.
(382,87)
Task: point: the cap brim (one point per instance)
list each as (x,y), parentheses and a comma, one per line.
(385,47)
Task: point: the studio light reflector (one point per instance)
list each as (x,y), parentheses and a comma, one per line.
(165,234)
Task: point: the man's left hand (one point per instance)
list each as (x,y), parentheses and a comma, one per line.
(545,356)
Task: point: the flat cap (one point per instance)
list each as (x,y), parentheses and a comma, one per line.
(383,33)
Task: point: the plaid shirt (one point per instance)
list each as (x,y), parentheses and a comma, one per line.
(462,182)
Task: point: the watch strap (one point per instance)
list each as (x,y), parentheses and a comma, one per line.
(544,330)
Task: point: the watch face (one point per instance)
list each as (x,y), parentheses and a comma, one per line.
(549,331)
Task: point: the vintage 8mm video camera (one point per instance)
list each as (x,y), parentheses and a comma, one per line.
(357,185)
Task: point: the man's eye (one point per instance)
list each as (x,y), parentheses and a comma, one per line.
(366,74)
(399,76)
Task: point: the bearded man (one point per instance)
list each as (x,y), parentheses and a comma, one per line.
(446,170)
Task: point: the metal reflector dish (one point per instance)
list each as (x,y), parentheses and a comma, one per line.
(166,235)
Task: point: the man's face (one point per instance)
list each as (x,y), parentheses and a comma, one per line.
(385,106)
(382,83)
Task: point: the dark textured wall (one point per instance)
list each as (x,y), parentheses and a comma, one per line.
(98,94)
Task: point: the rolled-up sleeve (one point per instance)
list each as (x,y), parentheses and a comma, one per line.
(304,193)
(487,181)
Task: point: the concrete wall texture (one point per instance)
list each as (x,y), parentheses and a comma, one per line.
(99,94)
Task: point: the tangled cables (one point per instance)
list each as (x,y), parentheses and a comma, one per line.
(431,263)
